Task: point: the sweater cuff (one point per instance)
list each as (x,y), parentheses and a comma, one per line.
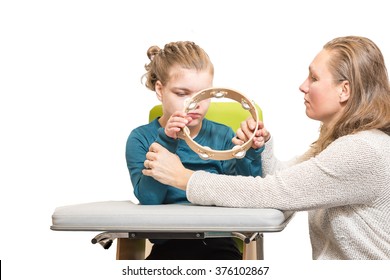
(268,149)
(189,191)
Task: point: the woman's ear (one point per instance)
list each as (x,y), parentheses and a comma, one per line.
(158,87)
(344,92)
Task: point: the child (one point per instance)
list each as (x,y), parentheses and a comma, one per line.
(175,73)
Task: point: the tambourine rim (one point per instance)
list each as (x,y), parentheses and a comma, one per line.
(219,154)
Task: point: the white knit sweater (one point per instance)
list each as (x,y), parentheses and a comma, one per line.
(346,190)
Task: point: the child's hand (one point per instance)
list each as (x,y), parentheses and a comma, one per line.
(246,131)
(175,123)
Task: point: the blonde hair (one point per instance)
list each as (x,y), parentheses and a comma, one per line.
(183,53)
(360,62)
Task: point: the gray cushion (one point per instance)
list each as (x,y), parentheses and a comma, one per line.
(127,216)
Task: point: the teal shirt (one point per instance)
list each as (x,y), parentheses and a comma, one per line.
(214,135)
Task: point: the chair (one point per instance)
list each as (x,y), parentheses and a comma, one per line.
(131,224)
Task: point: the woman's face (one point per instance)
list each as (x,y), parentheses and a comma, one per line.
(324,98)
(183,84)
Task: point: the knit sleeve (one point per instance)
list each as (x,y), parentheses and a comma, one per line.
(349,171)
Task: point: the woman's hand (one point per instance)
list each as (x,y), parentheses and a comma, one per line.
(175,123)
(246,131)
(166,167)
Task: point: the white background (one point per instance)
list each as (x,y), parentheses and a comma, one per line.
(71,93)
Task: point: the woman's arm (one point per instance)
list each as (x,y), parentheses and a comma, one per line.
(349,171)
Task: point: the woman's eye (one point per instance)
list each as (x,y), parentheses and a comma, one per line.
(313,79)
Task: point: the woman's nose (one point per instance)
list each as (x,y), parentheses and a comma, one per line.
(304,87)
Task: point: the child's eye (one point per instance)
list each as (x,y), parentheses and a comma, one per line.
(181,93)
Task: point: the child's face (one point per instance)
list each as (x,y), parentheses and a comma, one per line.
(183,84)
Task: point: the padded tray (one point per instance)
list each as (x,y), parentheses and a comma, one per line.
(126,216)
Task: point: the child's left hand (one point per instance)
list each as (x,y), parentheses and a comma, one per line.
(246,131)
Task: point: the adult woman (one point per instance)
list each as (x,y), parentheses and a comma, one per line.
(175,73)
(344,178)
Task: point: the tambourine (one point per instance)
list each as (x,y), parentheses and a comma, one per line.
(205,152)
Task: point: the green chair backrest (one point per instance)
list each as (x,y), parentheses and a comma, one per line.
(228,113)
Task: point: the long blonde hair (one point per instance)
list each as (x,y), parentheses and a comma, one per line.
(186,54)
(360,62)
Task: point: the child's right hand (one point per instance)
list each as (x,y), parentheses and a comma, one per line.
(176,123)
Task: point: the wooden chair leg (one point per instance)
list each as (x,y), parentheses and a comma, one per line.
(130,249)
(255,249)
(249,251)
